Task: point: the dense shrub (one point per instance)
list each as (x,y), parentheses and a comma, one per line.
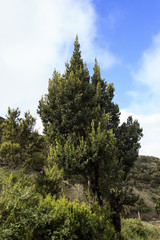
(27,215)
(63,219)
(17,207)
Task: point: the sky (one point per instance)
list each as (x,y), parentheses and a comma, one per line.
(36,37)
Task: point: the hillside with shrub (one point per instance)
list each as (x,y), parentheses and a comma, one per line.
(81,178)
(144,178)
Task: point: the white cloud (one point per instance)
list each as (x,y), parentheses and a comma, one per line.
(147,77)
(37,36)
(150,142)
(149,71)
(145,101)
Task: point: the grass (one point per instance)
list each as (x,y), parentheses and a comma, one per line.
(135,229)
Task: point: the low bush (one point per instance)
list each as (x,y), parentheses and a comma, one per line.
(138,230)
(27,215)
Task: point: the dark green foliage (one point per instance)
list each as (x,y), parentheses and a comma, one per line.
(103,99)
(93,158)
(1,121)
(20,144)
(66,107)
(158,206)
(81,122)
(128,136)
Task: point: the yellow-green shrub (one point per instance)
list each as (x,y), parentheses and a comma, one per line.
(27,215)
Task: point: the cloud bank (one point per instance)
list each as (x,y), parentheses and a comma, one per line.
(147,77)
(145,105)
(36,37)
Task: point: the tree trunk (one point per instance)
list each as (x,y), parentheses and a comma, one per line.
(93,184)
(116,207)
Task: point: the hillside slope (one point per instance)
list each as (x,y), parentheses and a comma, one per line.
(145,179)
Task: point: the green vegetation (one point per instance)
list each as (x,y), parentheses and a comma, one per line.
(71,182)
(1,121)
(26,214)
(20,144)
(81,122)
(138,230)
(144,177)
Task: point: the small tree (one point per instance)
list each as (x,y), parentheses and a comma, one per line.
(20,144)
(81,122)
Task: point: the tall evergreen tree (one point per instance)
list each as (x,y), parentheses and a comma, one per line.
(82,124)
(67,106)
(103,98)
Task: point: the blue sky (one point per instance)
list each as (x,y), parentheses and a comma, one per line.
(37,36)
